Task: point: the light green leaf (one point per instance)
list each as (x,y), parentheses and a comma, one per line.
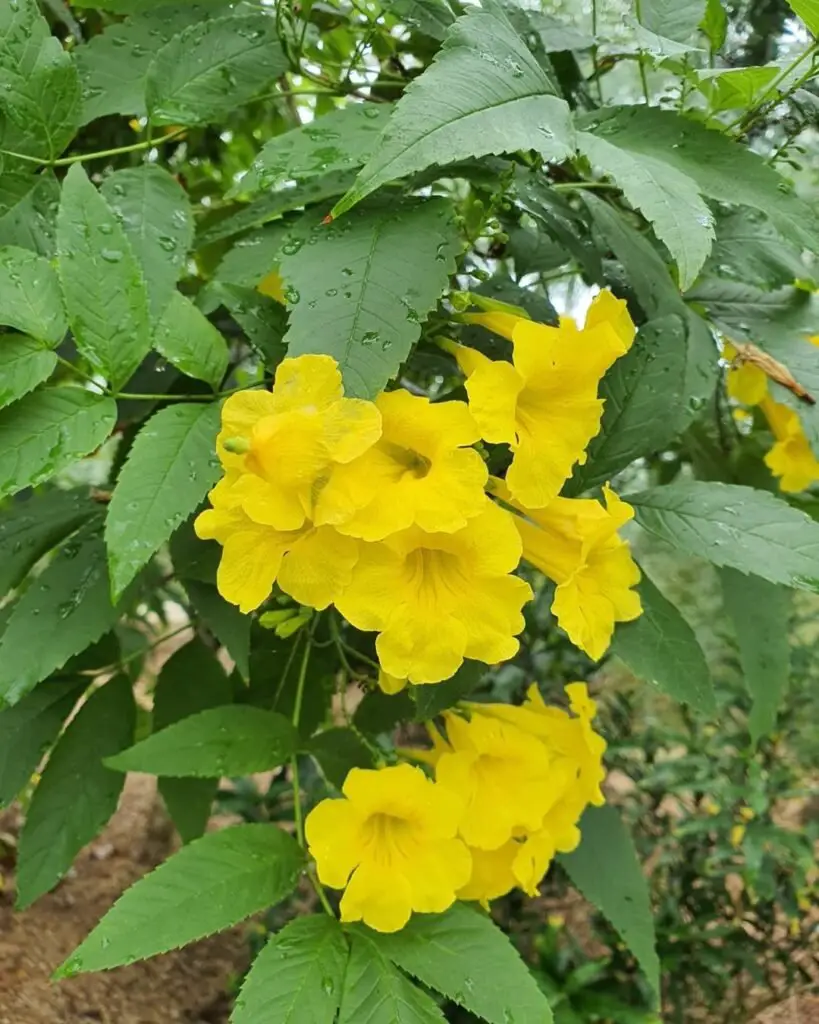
(170,468)
(77,794)
(337,751)
(29,728)
(47,430)
(299,972)
(230,627)
(642,392)
(340,141)
(432,17)
(734,526)
(723,169)
(64,610)
(381,271)
(208,70)
(661,648)
(715,24)
(154,212)
(376,993)
(463,955)
(668,199)
(30,528)
(734,88)
(191,680)
(749,249)
(31,295)
(28,205)
(606,871)
(674,19)
(103,287)
(483,93)
(432,700)
(760,612)
(231,740)
(211,884)
(24,364)
(808,11)
(190,342)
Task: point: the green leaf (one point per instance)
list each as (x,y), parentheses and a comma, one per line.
(30,528)
(661,648)
(64,610)
(463,955)
(337,751)
(808,11)
(760,613)
(170,468)
(667,198)
(380,712)
(77,794)
(749,249)
(103,287)
(432,17)
(190,342)
(432,700)
(734,526)
(28,205)
(299,972)
(340,141)
(553,211)
(224,620)
(211,884)
(376,993)
(231,740)
(253,257)
(31,295)
(483,93)
(47,431)
(723,169)
(191,680)
(674,19)
(735,88)
(263,319)
(715,24)
(153,211)
(381,272)
(642,393)
(24,364)
(606,871)
(29,728)
(212,67)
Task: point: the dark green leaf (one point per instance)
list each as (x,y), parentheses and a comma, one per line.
(553,211)
(28,207)
(674,19)
(381,272)
(190,342)
(463,955)
(29,728)
(224,620)
(263,319)
(170,468)
(24,364)
(253,257)
(64,610)
(47,430)
(337,751)
(749,249)
(231,740)
(212,67)
(194,559)
(760,613)
(432,700)
(484,93)
(77,793)
(299,972)
(661,648)
(211,884)
(380,712)
(432,17)
(534,252)
(103,286)
(606,871)
(31,295)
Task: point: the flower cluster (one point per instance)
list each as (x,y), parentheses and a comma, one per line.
(510,786)
(381,508)
(791,458)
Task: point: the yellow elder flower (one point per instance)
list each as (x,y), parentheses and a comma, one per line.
(437,598)
(791,458)
(419,472)
(746,383)
(574,541)
(545,404)
(392,842)
(284,442)
(492,875)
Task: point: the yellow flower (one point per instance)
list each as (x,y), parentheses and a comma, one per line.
(737,835)
(574,542)
(437,598)
(745,383)
(392,842)
(558,834)
(284,442)
(419,472)
(390,684)
(492,875)
(791,458)
(312,565)
(272,286)
(545,406)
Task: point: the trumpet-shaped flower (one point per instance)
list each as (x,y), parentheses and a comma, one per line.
(545,404)
(791,458)
(437,598)
(745,383)
(574,541)
(492,873)
(284,442)
(419,472)
(392,842)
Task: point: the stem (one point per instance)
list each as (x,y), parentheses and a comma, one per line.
(747,118)
(569,186)
(83,157)
(595,66)
(294,764)
(86,376)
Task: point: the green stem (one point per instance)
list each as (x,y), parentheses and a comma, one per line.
(83,157)
(595,65)
(298,813)
(748,117)
(570,186)
(80,373)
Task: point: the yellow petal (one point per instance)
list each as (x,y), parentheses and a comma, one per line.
(307,381)
(606,309)
(371,595)
(378,896)
(492,874)
(390,684)
(333,833)
(422,645)
(532,861)
(351,427)
(318,567)
(468,359)
(250,562)
(498,322)
(435,873)
(746,383)
(272,286)
(493,389)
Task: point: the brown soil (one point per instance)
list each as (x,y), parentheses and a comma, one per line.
(187,985)
(799,1010)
